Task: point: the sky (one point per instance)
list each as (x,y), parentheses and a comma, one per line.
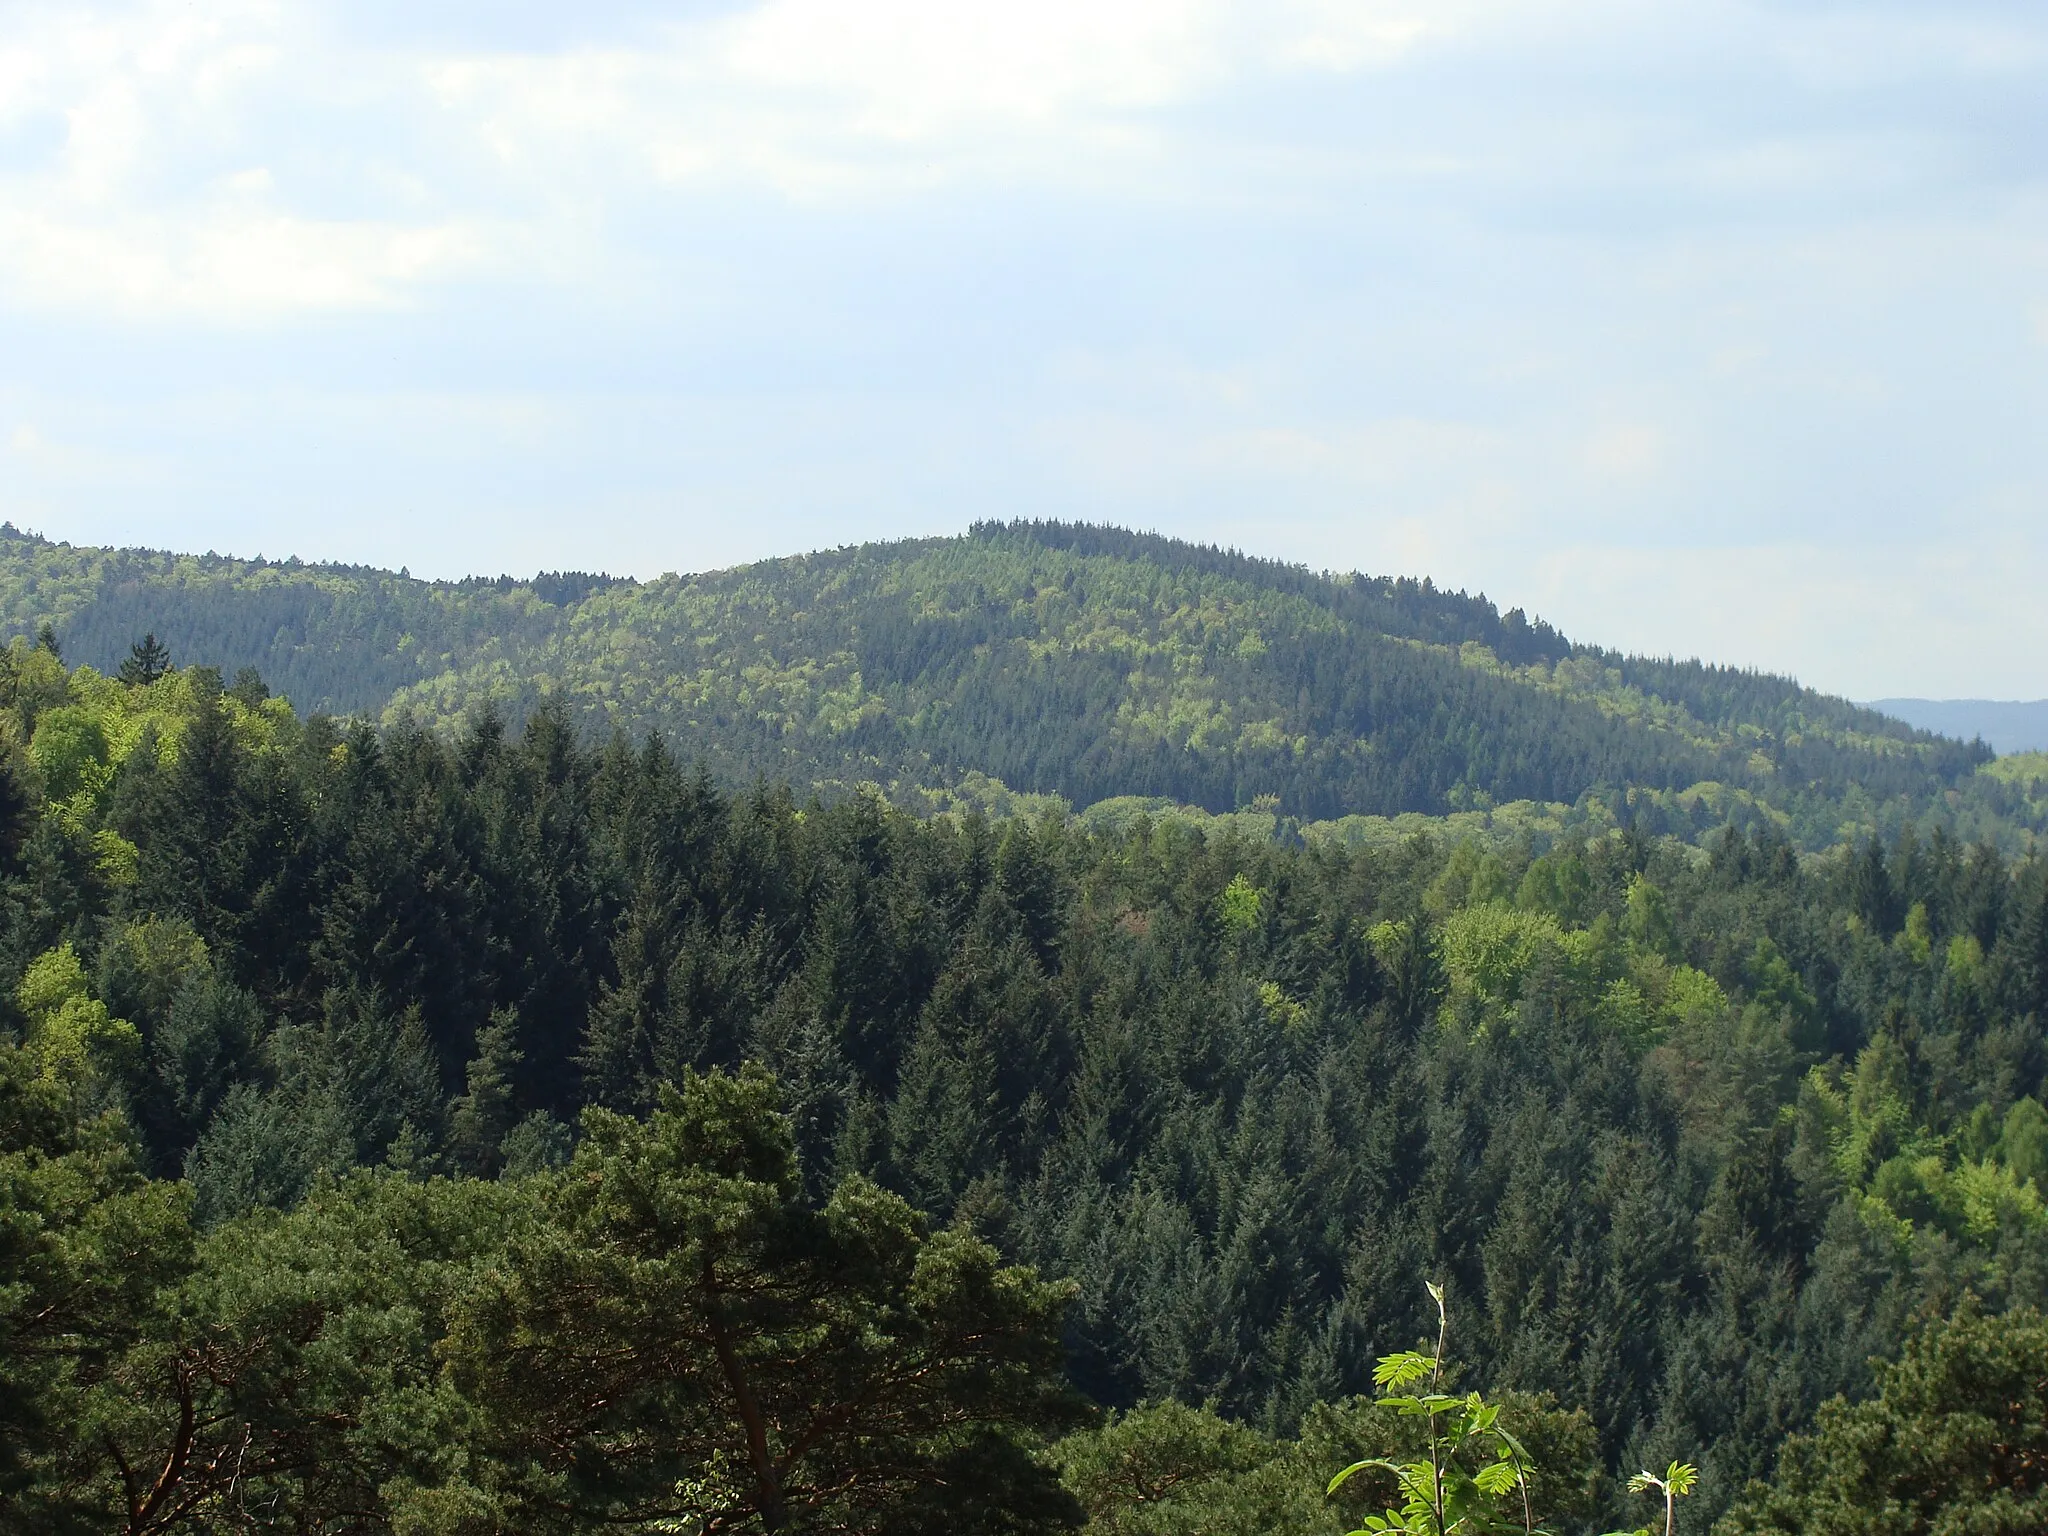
(1713,329)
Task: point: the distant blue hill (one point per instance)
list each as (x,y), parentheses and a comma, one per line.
(2006,725)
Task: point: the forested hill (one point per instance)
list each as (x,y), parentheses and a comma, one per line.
(500,1132)
(1087,663)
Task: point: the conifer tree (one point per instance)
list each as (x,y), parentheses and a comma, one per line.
(148,659)
(1955,1441)
(479,1120)
(688,1339)
(87,1246)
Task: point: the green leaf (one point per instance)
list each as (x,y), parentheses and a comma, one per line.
(1359,1466)
(1498,1478)
(1396,1371)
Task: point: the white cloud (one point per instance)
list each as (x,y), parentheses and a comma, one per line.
(1625,450)
(827,98)
(165,102)
(1436,285)
(150,208)
(1915,610)
(920,69)
(399,159)
(235,267)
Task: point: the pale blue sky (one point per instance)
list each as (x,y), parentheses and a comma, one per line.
(1715,329)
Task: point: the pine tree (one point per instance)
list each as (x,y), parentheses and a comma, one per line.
(249,688)
(87,1246)
(2030,953)
(1872,893)
(689,1340)
(1415,975)
(617,1059)
(148,659)
(479,1120)
(198,828)
(1955,1440)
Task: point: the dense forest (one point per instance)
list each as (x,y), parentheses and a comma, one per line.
(1085,664)
(516,1127)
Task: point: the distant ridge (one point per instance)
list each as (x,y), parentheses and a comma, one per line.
(2007,726)
(1083,663)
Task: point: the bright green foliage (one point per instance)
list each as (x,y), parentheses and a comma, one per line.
(1647,925)
(1693,996)
(1954,1443)
(70,751)
(1475,1477)
(1678,1480)
(1165,1469)
(2023,1142)
(71,1037)
(1489,949)
(1975,1186)
(1238,906)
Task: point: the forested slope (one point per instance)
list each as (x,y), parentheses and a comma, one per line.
(1689,1135)
(1084,663)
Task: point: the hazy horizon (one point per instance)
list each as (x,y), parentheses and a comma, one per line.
(2006,725)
